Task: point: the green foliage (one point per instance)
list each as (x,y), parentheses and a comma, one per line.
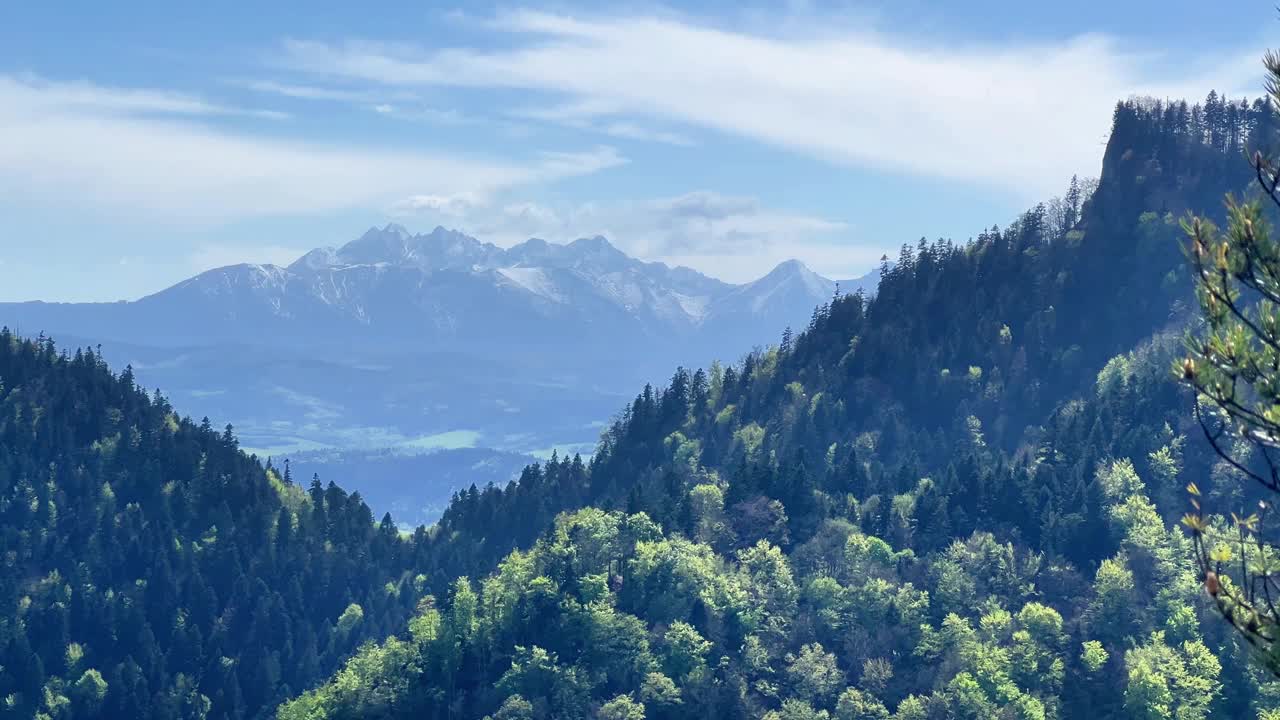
(142,549)
(349,619)
(796,710)
(1233,365)
(684,650)
(660,692)
(750,437)
(1119,481)
(514,708)
(814,674)
(621,708)
(690,633)
(857,705)
(1164,682)
(89,692)
(1094,656)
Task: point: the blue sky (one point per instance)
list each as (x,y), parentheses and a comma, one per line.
(141,143)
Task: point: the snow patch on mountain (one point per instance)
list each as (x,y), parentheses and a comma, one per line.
(694,306)
(534,280)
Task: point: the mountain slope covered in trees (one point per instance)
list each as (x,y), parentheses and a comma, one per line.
(956,499)
(153,570)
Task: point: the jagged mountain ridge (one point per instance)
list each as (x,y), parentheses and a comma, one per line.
(447,287)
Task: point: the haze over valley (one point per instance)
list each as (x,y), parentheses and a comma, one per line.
(426,344)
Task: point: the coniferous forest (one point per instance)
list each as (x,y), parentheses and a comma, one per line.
(956,497)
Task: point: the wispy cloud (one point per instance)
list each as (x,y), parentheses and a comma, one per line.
(400,104)
(1020,117)
(731,237)
(154,154)
(455,205)
(631,131)
(422,113)
(560,164)
(586,115)
(313,92)
(42,95)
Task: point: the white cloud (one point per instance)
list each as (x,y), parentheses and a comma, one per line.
(730,237)
(1021,117)
(454,205)
(582,114)
(422,113)
(565,164)
(312,92)
(45,96)
(102,148)
(575,112)
(397,104)
(630,131)
(532,218)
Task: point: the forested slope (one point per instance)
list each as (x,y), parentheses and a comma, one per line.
(953,499)
(150,569)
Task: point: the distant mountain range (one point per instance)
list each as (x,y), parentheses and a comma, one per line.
(446,290)
(432,341)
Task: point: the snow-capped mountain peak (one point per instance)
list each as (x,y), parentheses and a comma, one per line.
(378,245)
(794,272)
(446,289)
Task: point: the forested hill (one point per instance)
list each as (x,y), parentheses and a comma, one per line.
(952,500)
(152,570)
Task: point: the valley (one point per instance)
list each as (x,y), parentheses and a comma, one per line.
(373,347)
